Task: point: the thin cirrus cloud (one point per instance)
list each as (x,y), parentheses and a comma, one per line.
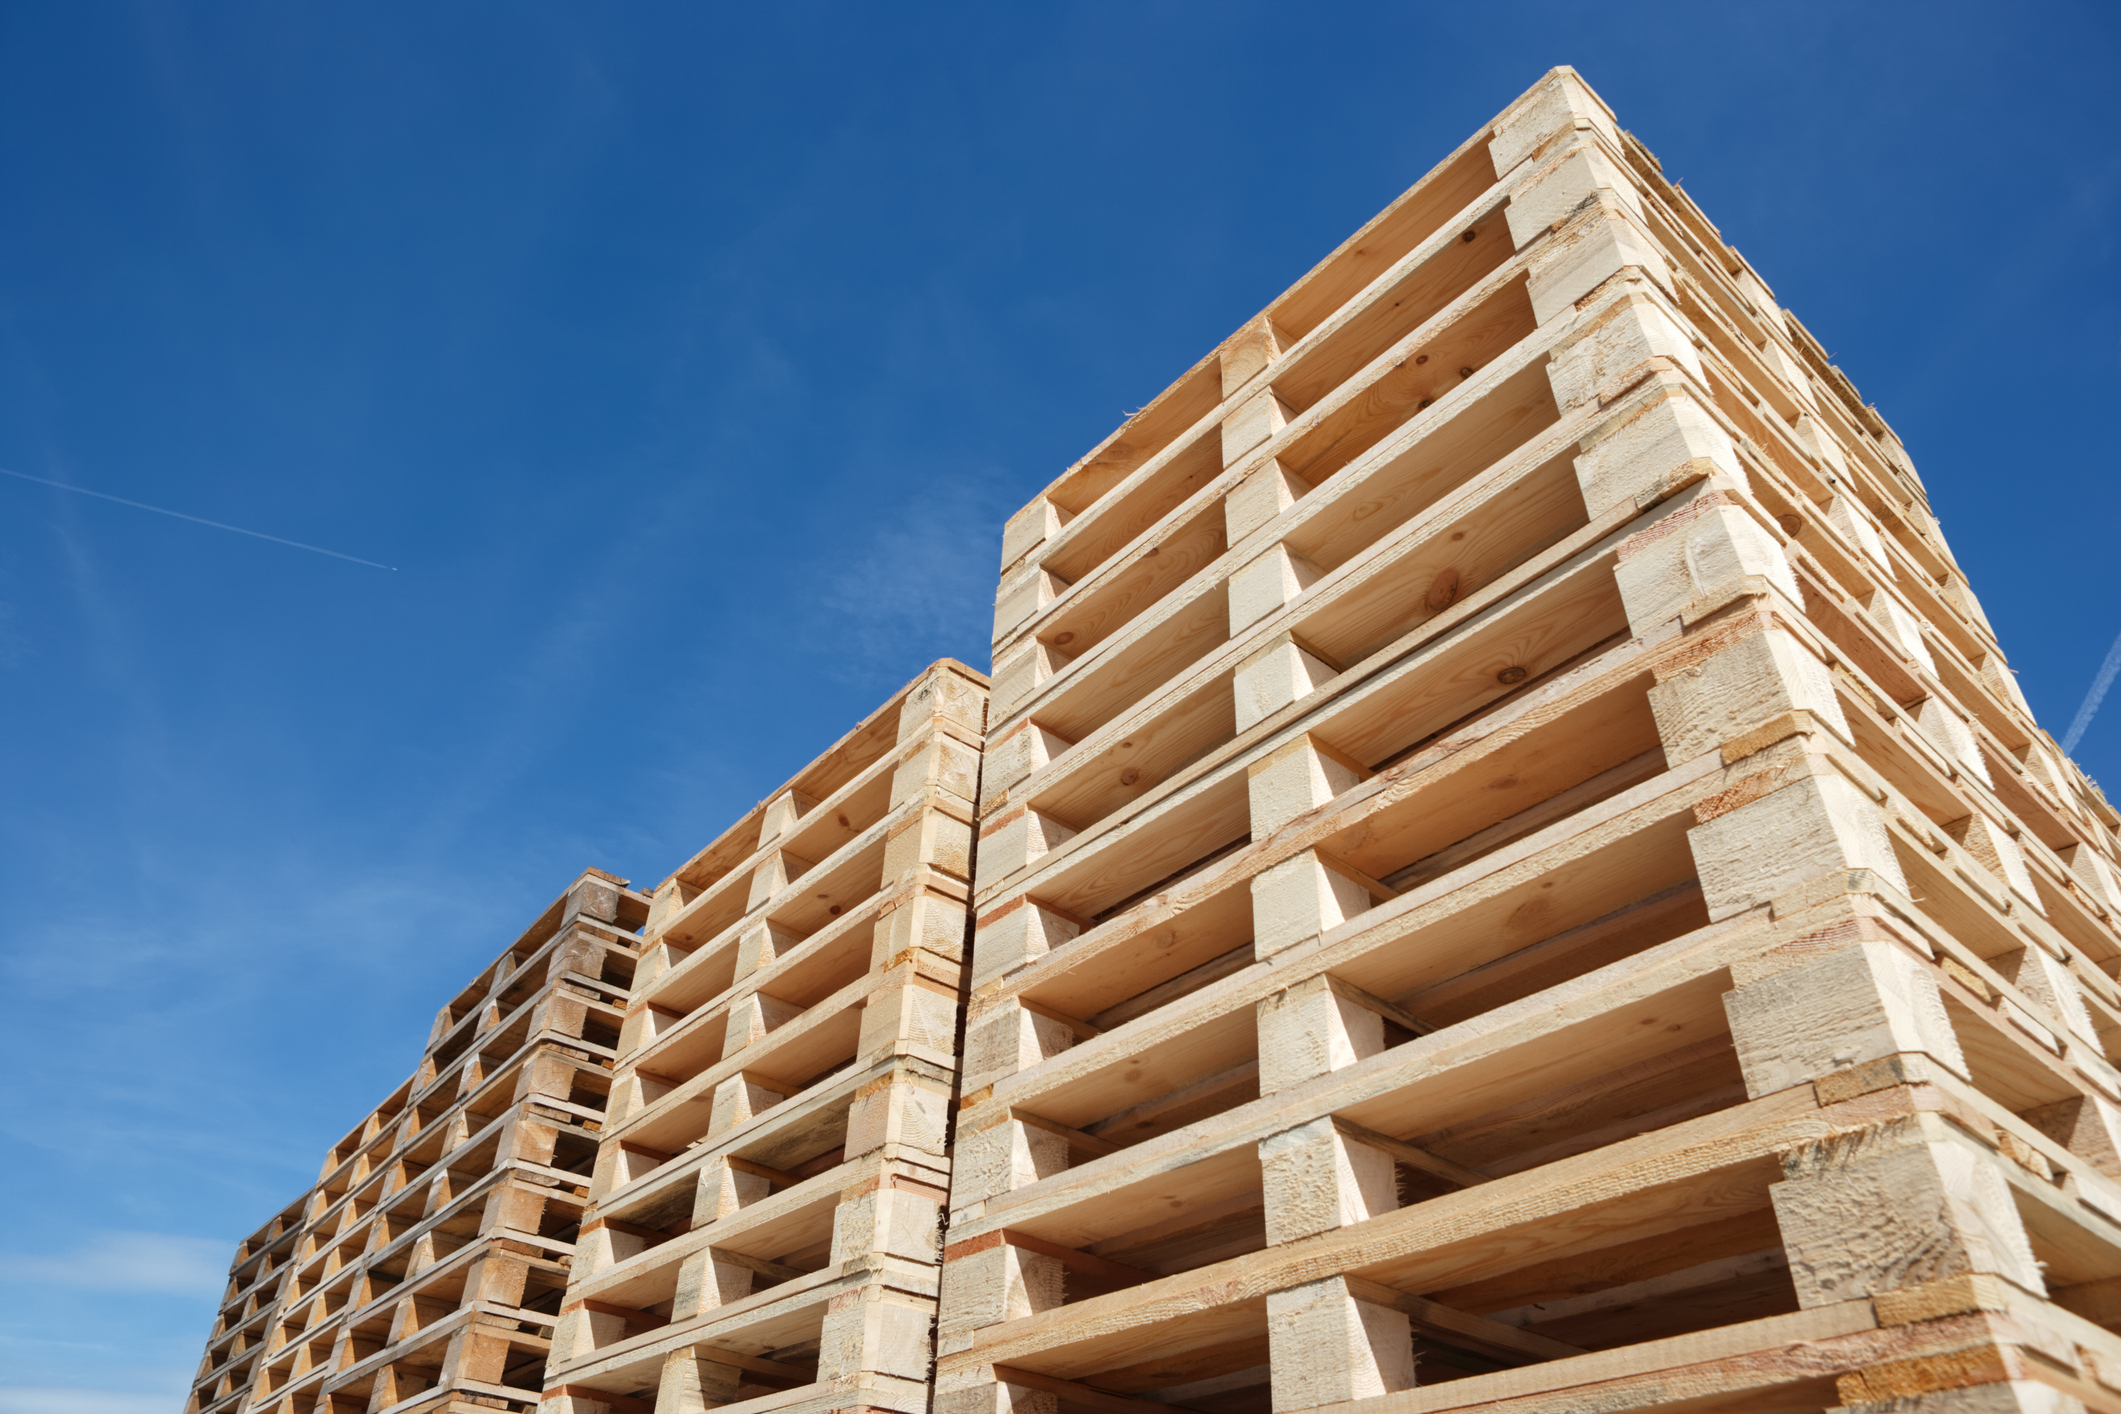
(921,580)
(149,1263)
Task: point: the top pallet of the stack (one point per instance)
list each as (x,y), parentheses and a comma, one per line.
(767,1188)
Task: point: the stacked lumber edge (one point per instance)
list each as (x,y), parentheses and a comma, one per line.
(1511,874)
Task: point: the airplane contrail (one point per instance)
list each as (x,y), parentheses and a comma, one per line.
(196,520)
(2092,699)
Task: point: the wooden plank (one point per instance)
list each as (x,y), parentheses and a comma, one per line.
(1077,1393)
(1462,1328)
(1411,1155)
(1086,1143)
(1088,1263)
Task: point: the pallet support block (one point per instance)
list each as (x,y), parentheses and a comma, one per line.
(693,1382)
(1901,1205)
(1279,673)
(1328,1346)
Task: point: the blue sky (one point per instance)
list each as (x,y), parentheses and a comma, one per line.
(684,361)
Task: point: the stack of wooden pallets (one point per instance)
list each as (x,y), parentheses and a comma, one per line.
(774,1162)
(1513,874)
(424,1271)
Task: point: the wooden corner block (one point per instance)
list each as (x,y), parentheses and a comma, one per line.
(927,922)
(1246,354)
(889,1219)
(1996,848)
(693,1381)
(1311,1029)
(1294,779)
(2050,984)
(1300,898)
(1613,348)
(901,1108)
(1902,1204)
(1316,1178)
(1901,627)
(1265,492)
(751,1018)
(1023,598)
(1015,932)
(774,873)
(916,1016)
(1856,526)
(1002,1157)
(725,1186)
(1015,755)
(1643,445)
(875,1330)
(943,694)
(1575,172)
(1029,529)
(669,898)
(1326,1346)
(1252,423)
(1266,585)
(1560,102)
(1715,541)
(742,1098)
(990,1390)
(1008,1037)
(781,814)
(944,764)
(1765,846)
(1019,670)
(933,838)
(1599,243)
(1864,1003)
(1281,672)
(1014,840)
(1758,689)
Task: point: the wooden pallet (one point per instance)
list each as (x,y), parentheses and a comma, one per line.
(425,1269)
(768,1189)
(1513,873)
